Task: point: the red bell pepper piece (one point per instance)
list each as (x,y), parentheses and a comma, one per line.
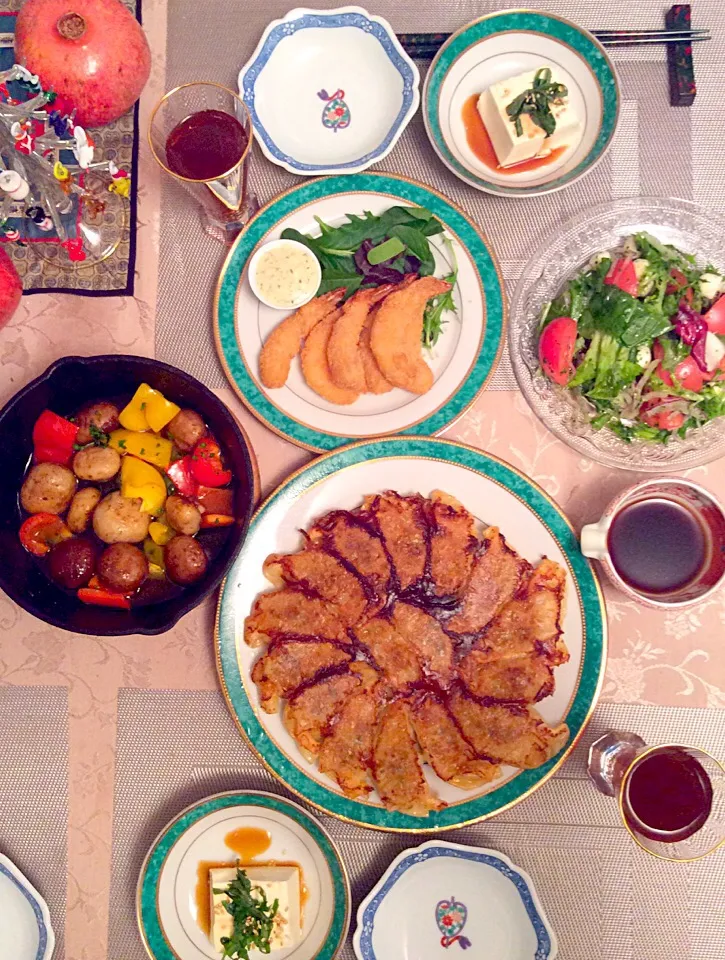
(216,520)
(53,438)
(99,596)
(207,465)
(216,500)
(41,532)
(623,275)
(181,474)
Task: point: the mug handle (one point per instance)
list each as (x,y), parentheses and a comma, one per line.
(593,540)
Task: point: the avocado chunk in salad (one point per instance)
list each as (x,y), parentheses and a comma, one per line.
(638,337)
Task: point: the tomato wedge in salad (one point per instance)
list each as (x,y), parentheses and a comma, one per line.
(556,349)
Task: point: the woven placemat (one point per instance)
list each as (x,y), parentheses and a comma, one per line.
(216,46)
(44,266)
(606,899)
(34,809)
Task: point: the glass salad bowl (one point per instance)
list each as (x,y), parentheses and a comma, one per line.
(559,258)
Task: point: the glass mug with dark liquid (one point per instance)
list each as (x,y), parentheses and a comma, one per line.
(662,542)
(671,797)
(201,134)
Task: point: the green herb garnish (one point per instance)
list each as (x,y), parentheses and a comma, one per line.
(435,308)
(122,444)
(536,102)
(253,918)
(99,438)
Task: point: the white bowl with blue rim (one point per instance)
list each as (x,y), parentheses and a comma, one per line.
(329,91)
(25,930)
(503,45)
(443,895)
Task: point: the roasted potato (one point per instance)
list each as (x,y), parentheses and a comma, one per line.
(186,561)
(71,563)
(102,415)
(182,515)
(81,509)
(117,519)
(186,430)
(47,488)
(122,567)
(97,464)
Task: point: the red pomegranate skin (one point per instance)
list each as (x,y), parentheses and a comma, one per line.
(99,68)
(11,288)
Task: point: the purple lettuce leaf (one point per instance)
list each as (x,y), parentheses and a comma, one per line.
(692,330)
(381,273)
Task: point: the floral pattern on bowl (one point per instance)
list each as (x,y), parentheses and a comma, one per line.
(373,88)
(406,916)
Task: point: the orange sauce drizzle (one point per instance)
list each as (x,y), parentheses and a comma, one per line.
(481,145)
(248,842)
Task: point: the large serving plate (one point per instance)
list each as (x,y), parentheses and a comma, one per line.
(463,359)
(165,901)
(25,930)
(505,44)
(495,493)
(329,91)
(411,913)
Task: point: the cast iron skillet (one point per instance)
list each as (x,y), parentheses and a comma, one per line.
(66,386)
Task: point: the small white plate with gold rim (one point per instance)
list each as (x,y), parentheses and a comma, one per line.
(170,922)
(505,44)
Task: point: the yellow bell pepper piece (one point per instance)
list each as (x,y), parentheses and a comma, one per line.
(156,572)
(139,479)
(161,533)
(147,410)
(133,415)
(154,554)
(146,446)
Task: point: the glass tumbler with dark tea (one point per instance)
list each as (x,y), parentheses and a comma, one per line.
(201,134)
(671,797)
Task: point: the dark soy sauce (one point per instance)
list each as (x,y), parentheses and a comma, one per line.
(657,545)
(205,145)
(668,796)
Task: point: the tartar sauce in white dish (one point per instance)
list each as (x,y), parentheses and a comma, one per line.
(284,274)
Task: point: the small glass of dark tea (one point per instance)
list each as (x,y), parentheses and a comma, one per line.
(201,134)
(671,797)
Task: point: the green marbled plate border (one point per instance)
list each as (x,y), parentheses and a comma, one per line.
(401,188)
(550,25)
(591,673)
(149,924)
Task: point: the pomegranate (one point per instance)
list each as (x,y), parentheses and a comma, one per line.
(92,53)
(11,289)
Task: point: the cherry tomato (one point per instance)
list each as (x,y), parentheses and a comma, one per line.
(679,281)
(687,372)
(671,420)
(623,275)
(663,418)
(556,349)
(715,316)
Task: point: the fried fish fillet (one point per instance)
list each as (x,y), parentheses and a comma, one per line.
(308,714)
(343,355)
(347,750)
(375,382)
(286,666)
(395,338)
(348,537)
(391,652)
(284,342)
(445,749)
(507,733)
(315,367)
(287,612)
(423,634)
(453,547)
(316,572)
(397,772)
(402,525)
(495,578)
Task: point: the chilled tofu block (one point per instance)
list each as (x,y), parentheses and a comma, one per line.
(509,146)
(278,883)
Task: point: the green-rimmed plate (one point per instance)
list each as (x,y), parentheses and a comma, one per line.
(166,907)
(462,361)
(503,45)
(494,492)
